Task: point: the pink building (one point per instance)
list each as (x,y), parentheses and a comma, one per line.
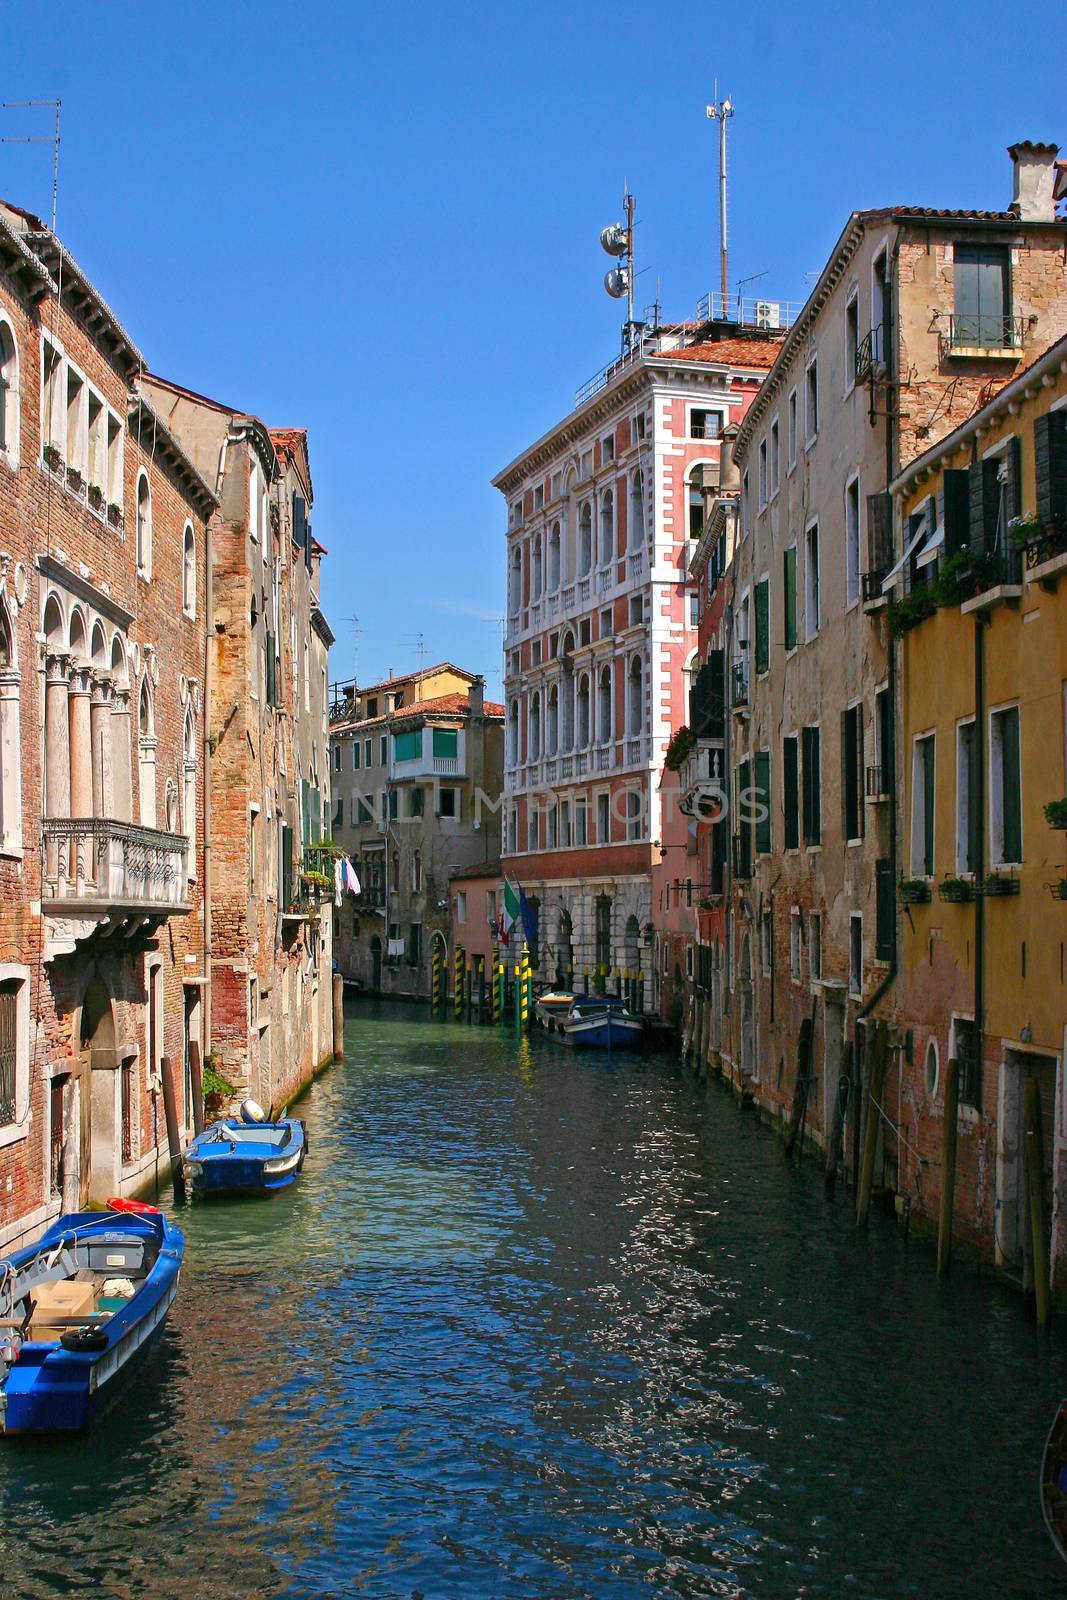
(603,514)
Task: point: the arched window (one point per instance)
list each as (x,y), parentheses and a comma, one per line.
(633,942)
(395,864)
(554,558)
(189,572)
(637,509)
(144,527)
(585,539)
(513,734)
(635,697)
(607,527)
(416,872)
(583,730)
(535,569)
(634,817)
(931,1068)
(535,726)
(146,751)
(566,719)
(552,736)
(603,708)
(79,649)
(189,792)
(10,744)
(516,580)
(9,394)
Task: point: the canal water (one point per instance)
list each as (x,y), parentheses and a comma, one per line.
(533,1324)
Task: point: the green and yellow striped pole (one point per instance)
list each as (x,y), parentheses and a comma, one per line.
(517,996)
(481,990)
(457,983)
(527,991)
(496,1000)
(435,986)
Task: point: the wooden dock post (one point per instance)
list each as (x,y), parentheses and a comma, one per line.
(196,1084)
(338,1017)
(837,1123)
(805,1053)
(1035,1191)
(948,1165)
(457,984)
(170,1111)
(870,1126)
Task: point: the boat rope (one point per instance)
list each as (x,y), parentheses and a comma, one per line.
(924,1161)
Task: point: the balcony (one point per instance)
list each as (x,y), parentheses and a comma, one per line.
(873,598)
(109,880)
(583,591)
(981,335)
(636,751)
(605,758)
(870,360)
(739,690)
(742,849)
(701,781)
(1045,554)
(637,564)
(604,580)
(875,784)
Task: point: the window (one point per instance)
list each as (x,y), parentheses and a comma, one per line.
(762,474)
(607,527)
(852,772)
(634,814)
(791,429)
(811,795)
(814,947)
(746,509)
(144,527)
(383,748)
(637,427)
(533,829)
(774,464)
(766,928)
(922,806)
(607,447)
(982,288)
(355,755)
(637,510)
(964,1047)
(415,802)
(811,581)
(490,907)
(189,572)
(362,810)
(603,819)
(461,905)
(791,791)
(636,610)
(368,749)
(795,943)
(789,593)
(880,779)
(852,542)
(1005,790)
(416,872)
(10,738)
(880,309)
(581,820)
(694,607)
(607,623)
(811,391)
(852,340)
(552,828)
(967,820)
(51,375)
(762,801)
(9,394)
(602,931)
(705,424)
(393,804)
(448,803)
(931,1068)
(564,824)
(855,954)
(635,697)
(407,746)
(75,431)
(763,625)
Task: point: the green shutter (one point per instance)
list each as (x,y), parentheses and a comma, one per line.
(884,908)
(407,746)
(1050,466)
(287,866)
(743,862)
(789,563)
(790,794)
(763,800)
(957,493)
(985,503)
(1012,797)
(812,787)
(446,742)
(928,760)
(763,625)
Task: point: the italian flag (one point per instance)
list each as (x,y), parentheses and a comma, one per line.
(509,911)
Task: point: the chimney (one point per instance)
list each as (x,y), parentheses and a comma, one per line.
(729,477)
(476,698)
(1033,181)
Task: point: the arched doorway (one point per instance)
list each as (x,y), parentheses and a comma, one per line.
(375,964)
(97,1050)
(565,950)
(748,1043)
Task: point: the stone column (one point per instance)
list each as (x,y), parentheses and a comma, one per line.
(81,767)
(57,756)
(146,779)
(121,755)
(100,727)
(10,759)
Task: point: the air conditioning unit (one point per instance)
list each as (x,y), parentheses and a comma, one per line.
(768,314)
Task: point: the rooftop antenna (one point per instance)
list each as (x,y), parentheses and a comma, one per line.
(618,240)
(419,642)
(40,138)
(356,631)
(720,112)
(753,278)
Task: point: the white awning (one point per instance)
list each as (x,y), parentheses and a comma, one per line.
(929,551)
(891,576)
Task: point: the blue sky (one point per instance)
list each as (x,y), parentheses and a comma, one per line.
(381,221)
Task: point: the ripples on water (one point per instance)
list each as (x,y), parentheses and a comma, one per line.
(534,1324)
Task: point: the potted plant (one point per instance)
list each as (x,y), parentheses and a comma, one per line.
(908,612)
(956,890)
(216,1089)
(1056,813)
(914,891)
(52,458)
(678,749)
(96,496)
(114,514)
(317,880)
(74,479)
(1025,530)
(1058,891)
(997,884)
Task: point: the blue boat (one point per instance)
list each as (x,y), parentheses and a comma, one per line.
(602,1022)
(79,1311)
(245,1157)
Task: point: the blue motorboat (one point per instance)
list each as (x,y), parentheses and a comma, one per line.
(79,1311)
(602,1022)
(241,1155)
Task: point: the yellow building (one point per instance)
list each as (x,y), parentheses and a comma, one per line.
(978,603)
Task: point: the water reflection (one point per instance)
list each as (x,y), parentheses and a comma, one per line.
(540,1325)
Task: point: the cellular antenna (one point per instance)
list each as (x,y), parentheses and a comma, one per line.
(40,138)
(618,240)
(720,112)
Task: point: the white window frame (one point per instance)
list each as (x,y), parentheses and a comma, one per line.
(14,1132)
(774,459)
(855,979)
(996,789)
(791,429)
(810,433)
(143,547)
(918,841)
(812,588)
(10,400)
(853,544)
(851,303)
(963,796)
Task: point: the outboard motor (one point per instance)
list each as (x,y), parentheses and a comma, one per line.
(252,1111)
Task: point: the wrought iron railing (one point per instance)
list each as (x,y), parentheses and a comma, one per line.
(1050,541)
(118,863)
(739,683)
(875,783)
(872,585)
(869,354)
(979,331)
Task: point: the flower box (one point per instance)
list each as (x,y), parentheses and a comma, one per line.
(114,515)
(96,496)
(957,891)
(1056,814)
(998,884)
(1058,891)
(51,457)
(74,480)
(914,891)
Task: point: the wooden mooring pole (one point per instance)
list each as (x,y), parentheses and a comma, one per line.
(837,1122)
(338,1017)
(948,1166)
(872,1116)
(170,1111)
(1035,1192)
(196,1084)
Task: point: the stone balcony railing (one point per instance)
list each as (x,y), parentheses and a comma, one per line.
(103,873)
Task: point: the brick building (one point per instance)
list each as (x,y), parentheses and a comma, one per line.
(603,514)
(918,316)
(270,931)
(102,726)
(417,781)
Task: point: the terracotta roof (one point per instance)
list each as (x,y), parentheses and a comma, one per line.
(415,677)
(727,352)
(442,705)
(488,869)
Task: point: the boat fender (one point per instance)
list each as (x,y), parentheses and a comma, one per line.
(84,1341)
(252,1111)
(137,1207)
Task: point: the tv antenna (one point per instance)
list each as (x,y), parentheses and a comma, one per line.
(353,623)
(721,111)
(39,138)
(419,641)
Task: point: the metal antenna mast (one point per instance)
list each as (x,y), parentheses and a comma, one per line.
(720,112)
(356,631)
(40,138)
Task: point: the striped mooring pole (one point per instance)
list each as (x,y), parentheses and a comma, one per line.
(497,997)
(457,983)
(522,992)
(435,983)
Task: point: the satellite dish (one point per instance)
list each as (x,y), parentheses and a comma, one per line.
(617,282)
(613,239)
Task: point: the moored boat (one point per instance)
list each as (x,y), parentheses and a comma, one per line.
(1054,1481)
(235,1156)
(552,1008)
(79,1310)
(602,1022)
